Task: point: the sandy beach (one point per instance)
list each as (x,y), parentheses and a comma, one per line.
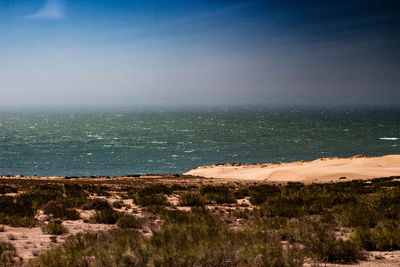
(318,171)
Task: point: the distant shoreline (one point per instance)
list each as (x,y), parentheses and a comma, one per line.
(323,170)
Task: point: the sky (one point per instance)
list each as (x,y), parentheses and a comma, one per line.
(194,53)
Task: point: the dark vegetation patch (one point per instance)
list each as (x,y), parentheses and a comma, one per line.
(283,225)
(60,210)
(217,194)
(129,221)
(5,189)
(54,228)
(191,199)
(7,254)
(152,195)
(106,216)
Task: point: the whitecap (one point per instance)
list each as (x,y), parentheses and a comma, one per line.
(190,151)
(158,142)
(389,138)
(89,154)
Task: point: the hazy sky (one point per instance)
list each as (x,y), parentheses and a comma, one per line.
(121,52)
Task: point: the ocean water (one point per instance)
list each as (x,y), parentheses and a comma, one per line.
(119,142)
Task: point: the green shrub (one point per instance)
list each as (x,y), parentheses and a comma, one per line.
(129,221)
(259,194)
(323,245)
(154,189)
(280,208)
(148,200)
(58,210)
(190,199)
(19,206)
(106,216)
(17,221)
(73,202)
(112,248)
(7,254)
(187,239)
(217,194)
(74,191)
(54,228)
(379,238)
(262,248)
(241,193)
(354,215)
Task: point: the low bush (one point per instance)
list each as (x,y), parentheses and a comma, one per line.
(280,208)
(382,238)
(7,254)
(54,228)
(241,193)
(217,194)
(107,216)
(323,245)
(149,200)
(357,215)
(190,199)
(112,248)
(129,221)
(58,210)
(259,194)
(17,221)
(74,191)
(154,189)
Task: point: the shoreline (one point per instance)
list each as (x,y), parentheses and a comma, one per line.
(321,170)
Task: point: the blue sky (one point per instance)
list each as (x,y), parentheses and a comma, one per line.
(59,52)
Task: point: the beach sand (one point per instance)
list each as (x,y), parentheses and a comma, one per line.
(318,171)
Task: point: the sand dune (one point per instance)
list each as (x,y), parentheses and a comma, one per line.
(319,171)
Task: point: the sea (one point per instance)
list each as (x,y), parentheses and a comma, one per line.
(116,142)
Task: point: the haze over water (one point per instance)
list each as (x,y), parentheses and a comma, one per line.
(119,142)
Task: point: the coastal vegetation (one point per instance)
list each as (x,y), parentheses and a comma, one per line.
(181,221)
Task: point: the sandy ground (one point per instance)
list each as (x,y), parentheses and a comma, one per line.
(29,242)
(318,171)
